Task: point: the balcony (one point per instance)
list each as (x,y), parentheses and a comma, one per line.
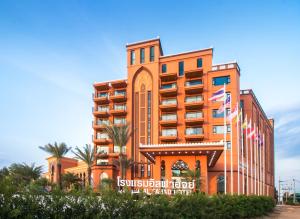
(101,98)
(168,120)
(118,96)
(101,86)
(101,112)
(168,76)
(194,134)
(194,118)
(119,110)
(119,84)
(102,151)
(194,73)
(194,86)
(168,135)
(194,102)
(119,121)
(101,140)
(100,124)
(168,89)
(168,105)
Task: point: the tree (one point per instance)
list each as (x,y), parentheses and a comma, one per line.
(120,136)
(57,151)
(24,172)
(191,175)
(70,179)
(87,156)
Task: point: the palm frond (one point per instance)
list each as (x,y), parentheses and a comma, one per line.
(86,155)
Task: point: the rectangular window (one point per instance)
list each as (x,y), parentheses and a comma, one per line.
(167,117)
(132,57)
(168,102)
(151,53)
(120,107)
(219,129)
(120,93)
(193,83)
(102,149)
(193,99)
(220,115)
(149,118)
(181,68)
(164,68)
(199,63)
(168,86)
(228,145)
(103,109)
(119,121)
(169,132)
(142,55)
(194,131)
(102,122)
(117,149)
(102,95)
(193,115)
(221,80)
(101,135)
(102,161)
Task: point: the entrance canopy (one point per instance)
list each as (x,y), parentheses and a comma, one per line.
(212,150)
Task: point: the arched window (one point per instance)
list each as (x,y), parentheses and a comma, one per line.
(142,170)
(179,168)
(103,175)
(220,184)
(162,169)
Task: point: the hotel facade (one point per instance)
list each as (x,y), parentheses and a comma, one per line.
(175,127)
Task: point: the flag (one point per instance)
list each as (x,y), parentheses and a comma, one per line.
(244,124)
(233,114)
(218,94)
(227,104)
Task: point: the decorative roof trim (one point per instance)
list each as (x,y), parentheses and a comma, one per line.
(218,143)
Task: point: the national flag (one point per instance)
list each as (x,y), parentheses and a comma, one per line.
(227,104)
(218,94)
(244,124)
(233,114)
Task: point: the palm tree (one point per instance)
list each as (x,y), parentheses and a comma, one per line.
(69,179)
(120,136)
(87,156)
(57,151)
(25,172)
(191,175)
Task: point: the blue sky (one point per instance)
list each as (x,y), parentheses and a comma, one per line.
(51,52)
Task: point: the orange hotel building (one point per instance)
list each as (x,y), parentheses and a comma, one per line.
(165,100)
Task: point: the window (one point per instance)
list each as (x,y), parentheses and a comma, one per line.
(103,109)
(117,149)
(142,55)
(120,93)
(220,184)
(221,80)
(102,122)
(132,57)
(164,68)
(169,102)
(179,168)
(151,53)
(119,107)
(219,129)
(194,131)
(149,118)
(193,99)
(168,86)
(102,94)
(149,169)
(118,121)
(199,63)
(162,169)
(220,115)
(168,117)
(193,115)
(102,135)
(142,170)
(228,145)
(181,68)
(102,149)
(102,161)
(169,132)
(193,83)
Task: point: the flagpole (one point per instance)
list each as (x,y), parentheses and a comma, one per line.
(247,156)
(238,145)
(260,165)
(225,143)
(251,159)
(231,146)
(264,162)
(255,160)
(242,144)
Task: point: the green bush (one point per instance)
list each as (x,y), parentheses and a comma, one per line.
(110,204)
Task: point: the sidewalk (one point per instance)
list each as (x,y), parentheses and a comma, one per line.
(285,212)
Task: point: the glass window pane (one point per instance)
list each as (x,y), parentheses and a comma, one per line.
(199,63)
(181,68)
(221,80)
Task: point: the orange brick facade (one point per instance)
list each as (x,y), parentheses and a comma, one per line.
(165,100)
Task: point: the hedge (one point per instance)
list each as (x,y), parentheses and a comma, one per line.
(115,205)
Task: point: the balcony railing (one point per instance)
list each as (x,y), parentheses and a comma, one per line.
(102,109)
(168,86)
(120,107)
(194,131)
(119,121)
(102,95)
(119,93)
(169,133)
(103,150)
(102,122)
(102,136)
(169,102)
(169,117)
(194,115)
(193,83)
(193,99)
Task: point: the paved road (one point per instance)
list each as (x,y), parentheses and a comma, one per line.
(285,212)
